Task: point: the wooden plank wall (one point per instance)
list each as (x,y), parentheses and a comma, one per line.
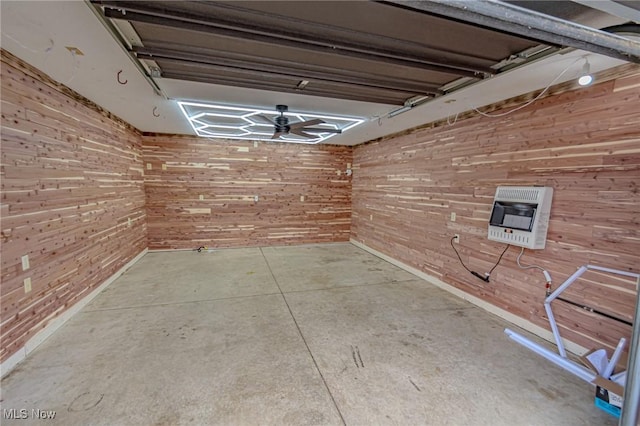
(584,143)
(72,199)
(179,171)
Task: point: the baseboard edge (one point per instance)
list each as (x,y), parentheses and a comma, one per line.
(506,315)
(35,341)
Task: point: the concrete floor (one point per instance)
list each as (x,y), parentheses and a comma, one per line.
(308,335)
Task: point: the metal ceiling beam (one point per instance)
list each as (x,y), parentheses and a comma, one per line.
(263,78)
(267,70)
(280,87)
(203,55)
(285,21)
(527,23)
(298,41)
(124,45)
(262,82)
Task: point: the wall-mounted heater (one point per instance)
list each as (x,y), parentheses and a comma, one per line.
(520,216)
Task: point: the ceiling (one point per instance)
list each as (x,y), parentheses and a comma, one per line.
(391,65)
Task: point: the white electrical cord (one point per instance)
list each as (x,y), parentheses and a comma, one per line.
(534,99)
(379,117)
(47,50)
(76,66)
(454,120)
(526,266)
(547,276)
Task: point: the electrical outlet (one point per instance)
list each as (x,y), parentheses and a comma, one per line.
(370,217)
(129,222)
(256,198)
(25,262)
(453,216)
(27,284)
(456,238)
(149,166)
(164,166)
(255,144)
(302,198)
(201,197)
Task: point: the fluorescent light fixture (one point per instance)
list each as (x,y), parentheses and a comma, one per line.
(585,78)
(221,121)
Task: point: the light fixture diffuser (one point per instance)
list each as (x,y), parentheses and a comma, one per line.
(585,76)
(221,121)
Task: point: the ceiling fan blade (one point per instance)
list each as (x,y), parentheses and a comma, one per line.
(306,123)
(263,118)
(301,132)
(319,130)
(277,135)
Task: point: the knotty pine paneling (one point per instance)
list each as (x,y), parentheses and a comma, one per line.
(72,199)
(228,174)
(584,143)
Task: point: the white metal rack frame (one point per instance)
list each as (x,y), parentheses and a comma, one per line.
(630,410)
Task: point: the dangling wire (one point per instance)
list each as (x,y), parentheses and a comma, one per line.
(484,278)
(76,65)
(546,274)
(499,259)
(47,50)
(502,114)
(527,266)
(458,254)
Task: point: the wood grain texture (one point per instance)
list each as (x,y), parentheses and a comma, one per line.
(584,143)
(228,175)
(72,199)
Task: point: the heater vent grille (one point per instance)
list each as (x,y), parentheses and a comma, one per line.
(524,194)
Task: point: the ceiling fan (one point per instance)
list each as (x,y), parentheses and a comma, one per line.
(301,128)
